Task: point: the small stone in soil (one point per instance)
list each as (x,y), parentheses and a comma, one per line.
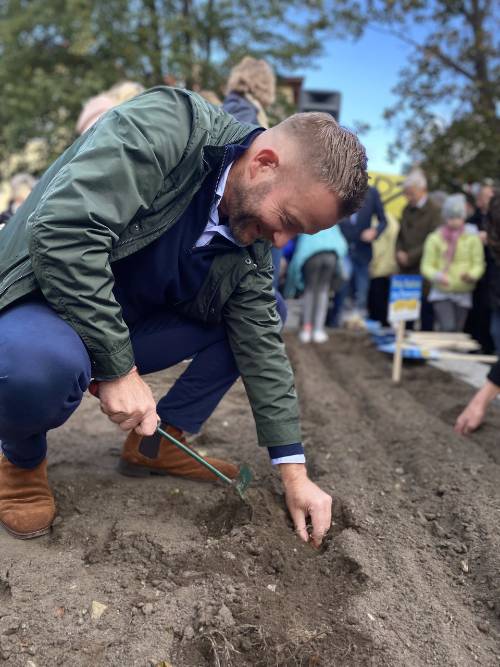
(245,644)
(147,609)
(483,626)
(9,625)
(254,550)
(225,617)
(438,529)
(97,609)
(420,517)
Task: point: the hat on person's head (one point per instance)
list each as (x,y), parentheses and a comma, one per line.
(454,207)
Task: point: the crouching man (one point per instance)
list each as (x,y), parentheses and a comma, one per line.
(148,242)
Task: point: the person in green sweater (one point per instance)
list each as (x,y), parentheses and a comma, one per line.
(453,262)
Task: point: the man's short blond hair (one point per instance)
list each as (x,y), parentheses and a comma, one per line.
(333,154)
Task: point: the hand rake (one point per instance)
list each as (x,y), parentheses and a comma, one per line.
(240,483)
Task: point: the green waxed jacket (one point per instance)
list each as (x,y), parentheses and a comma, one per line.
(115,190)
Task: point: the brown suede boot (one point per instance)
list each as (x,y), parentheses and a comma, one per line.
(27,506)
(155,455)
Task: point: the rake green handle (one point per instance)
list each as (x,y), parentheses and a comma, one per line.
(194,455)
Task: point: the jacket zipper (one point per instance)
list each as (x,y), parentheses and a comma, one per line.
(6,284)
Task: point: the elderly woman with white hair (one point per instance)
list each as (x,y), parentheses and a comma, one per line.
(453,262)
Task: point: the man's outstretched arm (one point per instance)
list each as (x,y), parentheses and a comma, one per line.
(254,333)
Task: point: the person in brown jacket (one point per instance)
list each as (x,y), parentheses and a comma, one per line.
(419,219)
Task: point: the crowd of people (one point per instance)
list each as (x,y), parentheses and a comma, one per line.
(441,239)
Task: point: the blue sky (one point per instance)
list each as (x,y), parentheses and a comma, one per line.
(364,71)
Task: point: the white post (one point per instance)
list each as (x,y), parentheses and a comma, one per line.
(398,353)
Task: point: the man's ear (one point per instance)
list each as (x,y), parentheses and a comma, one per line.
(264,161)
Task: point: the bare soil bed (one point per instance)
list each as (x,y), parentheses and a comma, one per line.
(410,574)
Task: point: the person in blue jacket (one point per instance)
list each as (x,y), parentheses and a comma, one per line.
(360,235)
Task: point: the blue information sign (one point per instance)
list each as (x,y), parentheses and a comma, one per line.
(405,298)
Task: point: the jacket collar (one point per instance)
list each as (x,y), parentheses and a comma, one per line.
(220,156)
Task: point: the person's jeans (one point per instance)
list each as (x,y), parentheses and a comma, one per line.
(360,284)
(45,369)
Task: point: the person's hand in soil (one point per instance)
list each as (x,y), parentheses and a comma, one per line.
(472,416)
(128,402)
(305,500)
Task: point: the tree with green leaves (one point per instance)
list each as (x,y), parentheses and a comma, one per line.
(448,91)
(55,54)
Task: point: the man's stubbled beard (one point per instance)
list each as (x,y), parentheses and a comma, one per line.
(246,207)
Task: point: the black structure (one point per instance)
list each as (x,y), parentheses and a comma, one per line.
(321,100)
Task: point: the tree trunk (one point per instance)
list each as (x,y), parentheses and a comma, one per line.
(485,102)
(190,74)
(155,51)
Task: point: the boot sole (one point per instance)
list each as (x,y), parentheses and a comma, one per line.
(131,470)
(134,470)
(27,536)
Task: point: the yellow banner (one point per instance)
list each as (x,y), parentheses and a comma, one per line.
(390,188)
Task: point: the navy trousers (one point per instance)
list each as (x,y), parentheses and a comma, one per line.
(45,369)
